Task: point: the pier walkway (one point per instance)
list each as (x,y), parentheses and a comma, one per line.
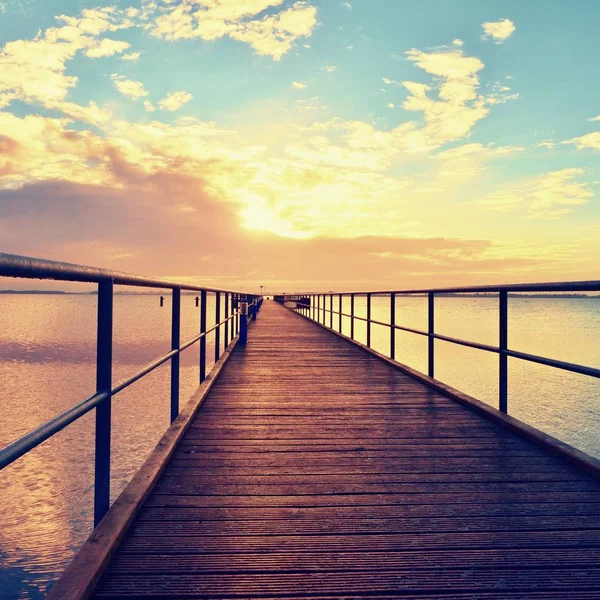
(313,469)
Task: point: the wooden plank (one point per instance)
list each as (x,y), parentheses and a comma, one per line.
(387,511)
(330,583)
(371,499)
(378,542)
(354,561)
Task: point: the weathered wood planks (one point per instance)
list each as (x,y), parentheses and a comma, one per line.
(313,470)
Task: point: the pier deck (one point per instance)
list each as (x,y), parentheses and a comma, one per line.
(315,470)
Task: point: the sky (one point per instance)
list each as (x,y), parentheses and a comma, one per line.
(303,145)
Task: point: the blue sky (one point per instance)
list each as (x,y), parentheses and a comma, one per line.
(368,127)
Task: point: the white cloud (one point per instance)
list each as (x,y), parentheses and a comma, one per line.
(128,87)
(465,163)
(131,56)
(498,30)
(546,144)
(458,42)
(591,140)
(175,101)
(459,107)
(595,118)
(347,5)
(298,85)
(391,105)
(107,47)
(547,196)
(330,68)
(272,35)
(149,106)
(34,70)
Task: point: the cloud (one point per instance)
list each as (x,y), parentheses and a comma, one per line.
(149,106)
(107,47)
(466,162)
(391,105)
(101,225)
(272,35)
(33,71)
(458,107)
(330,68)
(128,87)
(175,101)
(458,42)
(131,56)
(591,140)
(548,196)
(595,118)
(299,86)
(499,31)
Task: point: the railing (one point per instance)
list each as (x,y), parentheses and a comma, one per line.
(239,308)
(314,306)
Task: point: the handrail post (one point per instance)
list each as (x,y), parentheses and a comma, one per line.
(243,310)
(175,343)
(318,308)
(218,328)
(503,345)
(313,307)
(226,316)
(431,329)
(340,315)
(234,313)
(103,410)
(203,296)
(352,316)
(330,311)
(393,326)
(368,320)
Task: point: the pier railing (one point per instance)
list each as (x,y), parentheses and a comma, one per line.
(238,309)
(320,308)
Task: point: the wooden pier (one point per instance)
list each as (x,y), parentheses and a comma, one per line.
(315,470)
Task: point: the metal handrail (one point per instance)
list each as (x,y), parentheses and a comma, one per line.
(13,265)
(555,286)
(34,268)
(313,305)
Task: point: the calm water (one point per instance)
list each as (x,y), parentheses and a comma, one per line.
(47,349)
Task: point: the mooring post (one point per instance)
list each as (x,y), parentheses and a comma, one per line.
(243,322)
